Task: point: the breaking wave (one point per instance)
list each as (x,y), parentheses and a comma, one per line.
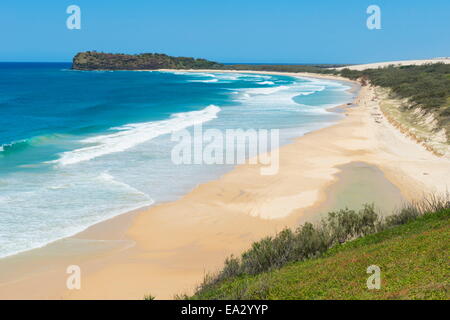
(130,135)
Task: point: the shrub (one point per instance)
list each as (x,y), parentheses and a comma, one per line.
(311,241)
(426,86)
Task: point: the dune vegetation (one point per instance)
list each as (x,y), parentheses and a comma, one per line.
(425,87)
(329,260)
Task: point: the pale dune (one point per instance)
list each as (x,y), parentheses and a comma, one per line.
(360,67)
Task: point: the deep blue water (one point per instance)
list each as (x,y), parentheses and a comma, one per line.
(79,147)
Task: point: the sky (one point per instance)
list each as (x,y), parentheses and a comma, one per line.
(228,31)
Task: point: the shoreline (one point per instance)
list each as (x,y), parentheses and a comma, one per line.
(224,216)
(336,109)
(113,229)
(275,73)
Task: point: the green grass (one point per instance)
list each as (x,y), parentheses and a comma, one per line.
(413,257)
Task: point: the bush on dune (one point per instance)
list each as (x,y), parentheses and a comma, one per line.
(312,241)
(426,86)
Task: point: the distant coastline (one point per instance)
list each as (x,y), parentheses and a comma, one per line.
(92,60)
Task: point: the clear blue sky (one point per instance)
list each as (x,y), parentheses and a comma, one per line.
(284,31)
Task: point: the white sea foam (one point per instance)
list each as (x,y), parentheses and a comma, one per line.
(9,145)
(222,77)
(284,94)
(194,74)
(32,208)
(59,187)
(281,98)
(229,76)
(108,178)
(128,136)
(205,81)
(266,91)
(266,82)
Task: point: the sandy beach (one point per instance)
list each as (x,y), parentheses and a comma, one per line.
(166,249)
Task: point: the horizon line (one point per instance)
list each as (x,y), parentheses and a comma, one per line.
(225,63)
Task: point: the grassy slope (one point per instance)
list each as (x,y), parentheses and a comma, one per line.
(414,262)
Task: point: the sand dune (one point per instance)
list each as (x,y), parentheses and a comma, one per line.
(360,67)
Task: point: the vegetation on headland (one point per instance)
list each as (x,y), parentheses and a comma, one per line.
(329,260)
(92,60)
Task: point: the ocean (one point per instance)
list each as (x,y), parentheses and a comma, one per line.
(79,147)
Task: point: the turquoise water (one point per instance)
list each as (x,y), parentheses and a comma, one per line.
(79,147)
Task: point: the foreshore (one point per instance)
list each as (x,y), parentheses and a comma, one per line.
(166,249)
